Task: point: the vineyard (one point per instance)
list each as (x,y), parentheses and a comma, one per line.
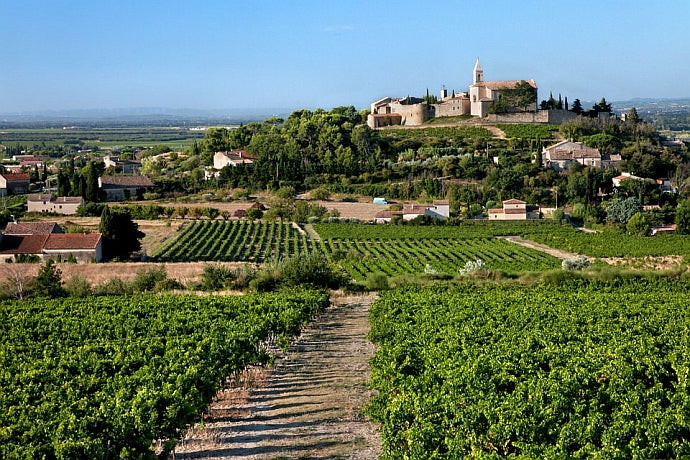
(233,241)
(581,370)
(360,257)
(103,377)
(396,250)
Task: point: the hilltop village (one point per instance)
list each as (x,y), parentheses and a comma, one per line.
(512,101)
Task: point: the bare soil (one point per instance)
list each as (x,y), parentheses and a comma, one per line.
(184,272)
(309,405)
(558,253)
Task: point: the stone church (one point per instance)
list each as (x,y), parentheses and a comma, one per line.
(476,102)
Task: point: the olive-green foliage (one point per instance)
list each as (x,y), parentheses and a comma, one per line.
(114,286)
(78,286)
(216,277)
(377,281)
(147,278)
(638,225)
(310,269)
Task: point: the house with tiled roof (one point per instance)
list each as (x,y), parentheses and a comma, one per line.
(14,184)
(439,209)
(45,202)
(118,188)
(32,228)
(515,210)
(45,240)
(560,156)
(233,158)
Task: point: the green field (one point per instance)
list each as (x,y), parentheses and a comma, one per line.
(234,241)
(575,370)
(93,138)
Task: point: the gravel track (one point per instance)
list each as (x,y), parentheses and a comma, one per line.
(309,405)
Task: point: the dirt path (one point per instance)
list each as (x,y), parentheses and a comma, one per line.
(308,406)
(558,253)
(312,233)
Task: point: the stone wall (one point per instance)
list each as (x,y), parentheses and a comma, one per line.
(452,107)
(554,117)
(412,114)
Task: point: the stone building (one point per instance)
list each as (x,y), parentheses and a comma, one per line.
(14,184)
(45,202)
(477,102)
(560,156)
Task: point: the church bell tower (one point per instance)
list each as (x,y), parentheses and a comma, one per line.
(478,73)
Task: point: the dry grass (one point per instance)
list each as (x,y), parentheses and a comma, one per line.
(95,274)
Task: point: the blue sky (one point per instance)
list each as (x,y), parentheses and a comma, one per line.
(57,55)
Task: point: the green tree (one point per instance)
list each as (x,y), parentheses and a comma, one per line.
(577,107)
(622,210)
(121,235)
(48,283)
(683,218)
(638,225)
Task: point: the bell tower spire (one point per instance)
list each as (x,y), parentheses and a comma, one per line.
(478,73)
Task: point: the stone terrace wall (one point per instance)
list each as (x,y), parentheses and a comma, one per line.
(555,117)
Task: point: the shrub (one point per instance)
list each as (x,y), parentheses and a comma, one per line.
(216,277)
(558,215)
(48,283)
(168,284)
(78,286)
(577,263)
(147,278)
(320,193)
(308,268)
(473,267)
(114,286)
(377,281)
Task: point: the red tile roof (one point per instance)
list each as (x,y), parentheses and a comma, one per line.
(62,241)
(22,244)
(32,228)
(506,84)
(15,177)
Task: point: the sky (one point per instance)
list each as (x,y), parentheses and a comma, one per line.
(294,54)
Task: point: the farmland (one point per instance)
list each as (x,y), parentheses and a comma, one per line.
(393,257)
(94,138)
(587,369)
(233,241)
(359,250)
(104,376)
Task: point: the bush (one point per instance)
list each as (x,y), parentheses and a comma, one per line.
(146,279)
(577,263)
(168,284)
(639,225)
(303,269)
(473,267)
(558,215)
(320,193)
(216,277)
(114,286)
(48,283)
(78,286)
(308,268)
(377,281)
